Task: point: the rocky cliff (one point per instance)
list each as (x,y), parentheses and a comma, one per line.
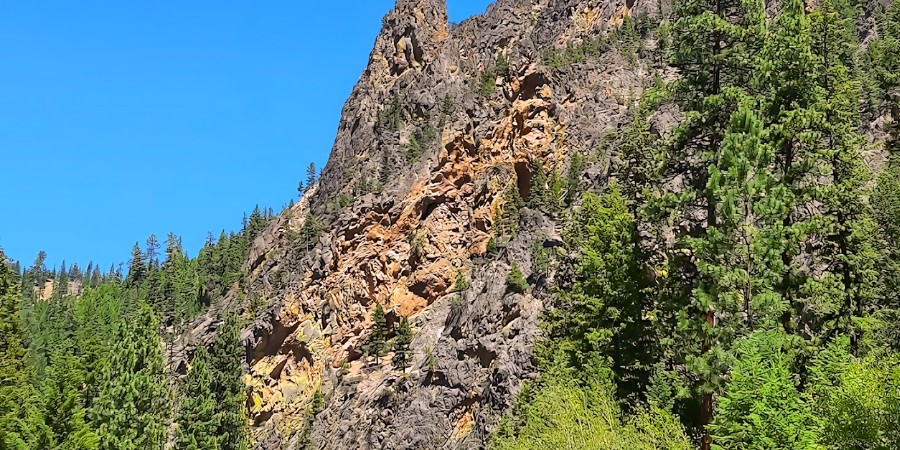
(441,136)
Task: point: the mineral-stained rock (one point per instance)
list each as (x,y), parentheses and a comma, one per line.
(435,135)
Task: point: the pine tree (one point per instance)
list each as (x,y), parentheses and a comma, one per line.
(130,410)
(197,415)
(311,176)
(62,404)
(375,345)
(599,320)
(714,42)
(152,252)
(309,232)
(761,407)
(226,356)
(137,269)
(20,424)
(401,346)
(61,286)
(537,198)
(97,314)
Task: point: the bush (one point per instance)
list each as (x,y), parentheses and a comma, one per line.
(487,82)
(492,249)
(413,149)
(515,280)
(561,414)
(462,282)
(540,258)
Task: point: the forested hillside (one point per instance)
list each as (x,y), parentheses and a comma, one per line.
(738,276)
(564,224)
(82,352)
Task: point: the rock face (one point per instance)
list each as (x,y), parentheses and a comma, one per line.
(444,126)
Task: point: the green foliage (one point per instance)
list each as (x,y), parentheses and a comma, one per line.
(761,407)
(312,176)
(599,321)
(225,358)
(540,258)
(309,232)
(130,410)
(509,214)
(461,283)
(20,424)
(857,400)
(539,196)
(575,53)
(573,178)
(402,342)
(136,269)
(492,249)
(561,414)
(486,83)
(196,416)
(413,149)
(515,280)
(378,335)
(62,410)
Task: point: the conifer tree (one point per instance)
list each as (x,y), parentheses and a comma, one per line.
(538,195)
(226,356)
(197,415)
(761,407)
(401,345)
(20,424)
(137,269)
(851,248)
(309,232)
(130,411)
(599,320)
(152,252)
(62,404)
(714,41)
(311,176)
(375,345)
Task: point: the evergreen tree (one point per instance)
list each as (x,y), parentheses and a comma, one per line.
(599,321)
(401,345)
(130,410)
(61,287)
(539,192)
(197,415)
(375,345)
(20,424)
(226,356)
(309,232)
(311,176)
(97,315)
(851,248)
(152,252)
(137,269)
(761,407)
(63,406)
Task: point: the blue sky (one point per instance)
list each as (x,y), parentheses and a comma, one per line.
(120,119)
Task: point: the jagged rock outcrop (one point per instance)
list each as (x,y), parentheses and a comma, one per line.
(445,123)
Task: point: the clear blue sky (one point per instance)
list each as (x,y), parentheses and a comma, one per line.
(119,119)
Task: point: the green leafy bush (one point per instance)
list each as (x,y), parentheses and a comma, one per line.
(562,414)
(515,280)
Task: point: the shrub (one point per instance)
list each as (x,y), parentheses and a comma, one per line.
(462,282)
(561,414)
(515,280)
